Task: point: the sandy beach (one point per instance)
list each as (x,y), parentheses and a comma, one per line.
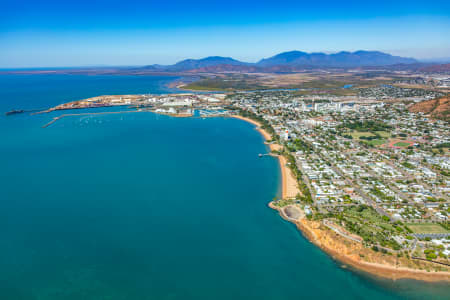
(290,185)
(343,250)
(264,133)
(289,182)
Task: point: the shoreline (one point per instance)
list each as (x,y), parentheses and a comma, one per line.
(288,182)
(320,237)
(343,251)
(340,249)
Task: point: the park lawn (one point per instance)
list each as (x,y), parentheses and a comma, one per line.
(283,202)
(372,227)
(435,150)
(368,218)
(357,134)
(377,142)
(426,228)
(383,134)
(401,144)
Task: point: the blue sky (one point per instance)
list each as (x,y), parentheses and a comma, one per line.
(129,32)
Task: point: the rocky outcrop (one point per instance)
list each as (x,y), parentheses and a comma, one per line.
(436,108)
(361,258)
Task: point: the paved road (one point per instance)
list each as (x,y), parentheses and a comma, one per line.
(349,182)
(366,197)
(411,177)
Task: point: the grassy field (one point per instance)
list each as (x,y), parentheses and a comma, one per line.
(446,150)
(377,142)
(283,202)
(357,134)
(401,144)
(427,228)
(383,134)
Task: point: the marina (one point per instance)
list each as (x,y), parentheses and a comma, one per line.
(89,114)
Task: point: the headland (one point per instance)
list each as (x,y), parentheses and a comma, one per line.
(330,237)
(339,246)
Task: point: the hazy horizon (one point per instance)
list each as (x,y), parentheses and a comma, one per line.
(423,60)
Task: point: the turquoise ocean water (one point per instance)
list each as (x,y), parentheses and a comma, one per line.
(143,206)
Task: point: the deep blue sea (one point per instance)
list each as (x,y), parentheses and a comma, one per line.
(144,206)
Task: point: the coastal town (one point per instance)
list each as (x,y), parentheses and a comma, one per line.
(370,171)
(365,177)
(225,150)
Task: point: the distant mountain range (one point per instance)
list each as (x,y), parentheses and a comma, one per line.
(189,64)
(287,61)
(340,59)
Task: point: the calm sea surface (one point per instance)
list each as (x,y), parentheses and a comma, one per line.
(143,206)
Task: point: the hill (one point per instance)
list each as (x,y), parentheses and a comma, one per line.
(340,59)
(291,61)
(286,62)
(191,64)
(436,108)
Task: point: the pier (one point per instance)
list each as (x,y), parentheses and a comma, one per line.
(52,121)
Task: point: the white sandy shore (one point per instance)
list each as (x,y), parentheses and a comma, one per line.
(289,182)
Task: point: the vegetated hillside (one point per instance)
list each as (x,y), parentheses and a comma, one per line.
(340,59)
(190,64)
(250,68)
(288,62)
(437,108)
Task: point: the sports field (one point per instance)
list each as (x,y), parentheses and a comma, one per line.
(377,142)
(427,228)
(383,134)
(401,144)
